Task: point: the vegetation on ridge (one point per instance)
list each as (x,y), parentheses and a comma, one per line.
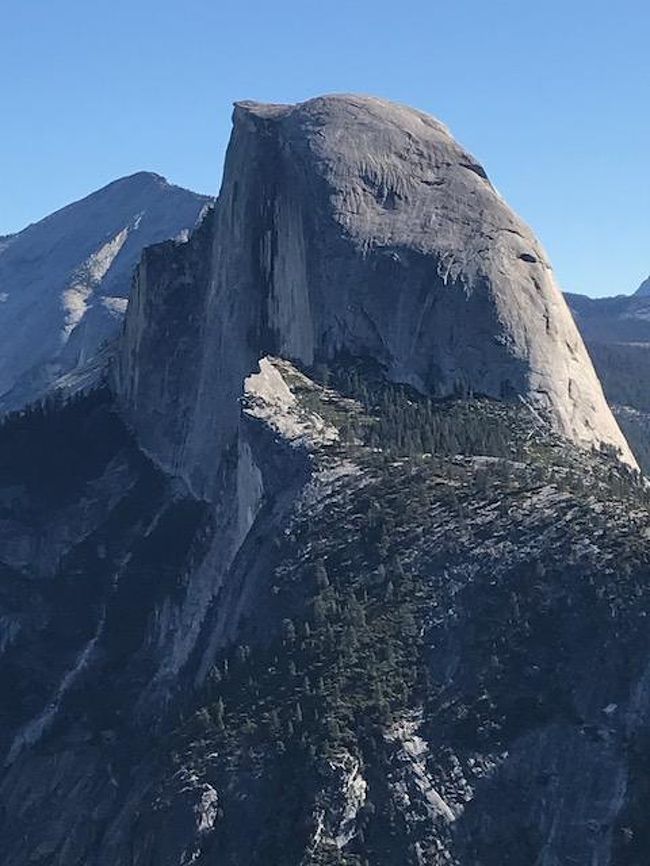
(366,588)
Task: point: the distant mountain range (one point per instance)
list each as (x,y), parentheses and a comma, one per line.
(621,318)
(65,280)
(617,333)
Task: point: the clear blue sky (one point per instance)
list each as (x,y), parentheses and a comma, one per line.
(553,97)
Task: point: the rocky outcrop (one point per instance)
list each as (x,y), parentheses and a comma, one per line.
(349,224)
(65,281)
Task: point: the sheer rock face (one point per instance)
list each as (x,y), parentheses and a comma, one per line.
(349,224)
(162,342)
(65,281)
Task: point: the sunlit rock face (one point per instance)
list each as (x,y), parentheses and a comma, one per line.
(297,635)
(347,224)
(65,281)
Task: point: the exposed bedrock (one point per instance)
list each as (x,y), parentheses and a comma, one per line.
(350,224)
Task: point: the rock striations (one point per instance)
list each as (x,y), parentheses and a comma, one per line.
(65,281)
(298,610)
(348,224)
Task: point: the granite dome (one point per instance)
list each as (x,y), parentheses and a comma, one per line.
(348,224)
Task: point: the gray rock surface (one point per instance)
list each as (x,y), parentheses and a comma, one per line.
(644,289)
(65,281)
(498,604)
(350,224)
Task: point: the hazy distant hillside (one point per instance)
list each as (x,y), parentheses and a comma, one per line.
(617,333)
(65,281)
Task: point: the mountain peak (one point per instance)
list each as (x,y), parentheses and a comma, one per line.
(64,280)
(342,104)
(138,178)
(349,224)
(144,179)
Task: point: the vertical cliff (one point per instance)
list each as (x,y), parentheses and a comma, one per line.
(351,225)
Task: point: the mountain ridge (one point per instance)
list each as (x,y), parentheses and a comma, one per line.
(64,280)
(617,332)
(282,589)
